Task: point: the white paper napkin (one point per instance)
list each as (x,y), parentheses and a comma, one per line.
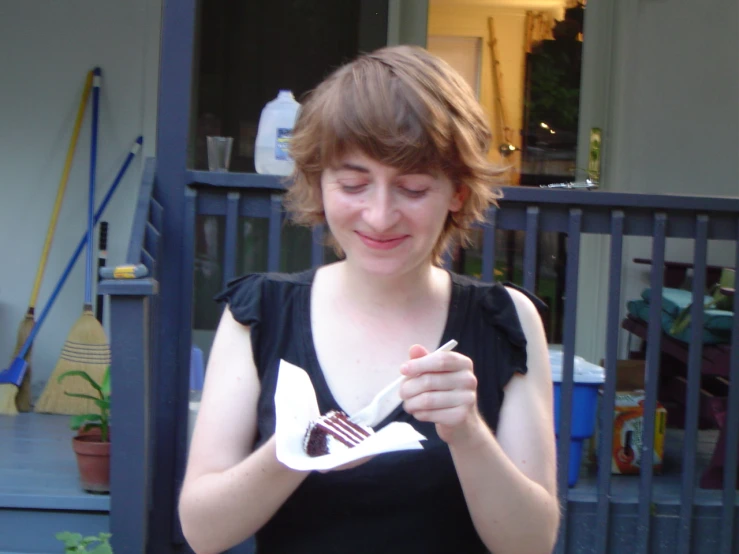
(296,407)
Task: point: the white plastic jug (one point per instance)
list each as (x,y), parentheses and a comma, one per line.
(276,124)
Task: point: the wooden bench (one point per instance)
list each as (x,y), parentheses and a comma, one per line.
(715,358)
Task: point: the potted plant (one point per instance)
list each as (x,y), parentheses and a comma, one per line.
(76,543)
(91,445)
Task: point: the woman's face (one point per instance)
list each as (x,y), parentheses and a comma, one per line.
(386,222)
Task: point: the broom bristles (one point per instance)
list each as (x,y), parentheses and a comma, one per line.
(86,349)
(23,394)
(12,398)
(7,399)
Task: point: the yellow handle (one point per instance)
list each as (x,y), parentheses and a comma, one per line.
(129,271)
(61,190)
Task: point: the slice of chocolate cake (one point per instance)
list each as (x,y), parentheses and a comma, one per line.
(331,432)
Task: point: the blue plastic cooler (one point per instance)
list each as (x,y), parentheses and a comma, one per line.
(588,378)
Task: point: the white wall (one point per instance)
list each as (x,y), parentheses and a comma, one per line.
(48,46)
(671,122)
(676,98)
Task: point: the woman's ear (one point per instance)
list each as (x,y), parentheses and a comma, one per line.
(459,197)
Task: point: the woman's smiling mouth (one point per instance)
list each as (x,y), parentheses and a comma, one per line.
(381,243)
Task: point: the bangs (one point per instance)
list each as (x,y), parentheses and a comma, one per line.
(373,110)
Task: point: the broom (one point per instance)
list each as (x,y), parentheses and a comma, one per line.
(86,348)
(23,398)
(11,378)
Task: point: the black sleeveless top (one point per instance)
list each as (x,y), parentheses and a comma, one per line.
(405,502)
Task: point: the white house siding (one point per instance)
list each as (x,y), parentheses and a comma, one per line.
(671,126)
(48,46)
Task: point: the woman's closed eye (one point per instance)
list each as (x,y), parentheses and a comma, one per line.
(414,186)
(352,187)
(414,193)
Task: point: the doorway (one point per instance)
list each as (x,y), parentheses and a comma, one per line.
(528,61)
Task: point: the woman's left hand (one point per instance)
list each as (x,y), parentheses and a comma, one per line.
(442,388)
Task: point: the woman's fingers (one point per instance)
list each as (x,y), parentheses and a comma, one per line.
(440,387)
(429,382)
(438,400)
(437,362)
(447,417)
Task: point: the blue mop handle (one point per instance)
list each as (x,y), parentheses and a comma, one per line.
(91,199)
(67,270)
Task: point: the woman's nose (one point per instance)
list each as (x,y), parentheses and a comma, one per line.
(380,212)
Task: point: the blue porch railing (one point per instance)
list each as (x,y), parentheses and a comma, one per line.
(133,330)
(598,516)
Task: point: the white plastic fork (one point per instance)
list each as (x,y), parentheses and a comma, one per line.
(373,412)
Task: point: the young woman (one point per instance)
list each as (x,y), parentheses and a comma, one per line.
(391,152)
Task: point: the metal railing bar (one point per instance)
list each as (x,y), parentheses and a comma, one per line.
(609,391)
(235,180)
(149,261)
(152,237)
(732,427)
(568,354)
(251,205)
(317,246)
(274,242)
(639,222)
(651,381)
(141,215)
(511,194)
(621,200)
(530,248)
(694,384)
(488,246)
(231,239)
(156,214)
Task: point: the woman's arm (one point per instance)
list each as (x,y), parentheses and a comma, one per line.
(509,480)
(229,491)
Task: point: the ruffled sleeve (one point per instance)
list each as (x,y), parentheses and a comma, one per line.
(500,312)
(244,298)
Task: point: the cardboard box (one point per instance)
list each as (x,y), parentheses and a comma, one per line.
(628,430)
(629,374)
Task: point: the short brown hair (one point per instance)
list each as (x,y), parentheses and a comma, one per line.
(405,108)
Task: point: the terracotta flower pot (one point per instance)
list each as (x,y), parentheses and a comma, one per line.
(93,461)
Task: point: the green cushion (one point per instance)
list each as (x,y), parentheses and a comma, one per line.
(676,300)
(640,309)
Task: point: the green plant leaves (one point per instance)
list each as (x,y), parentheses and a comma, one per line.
(76,543)
(84,376)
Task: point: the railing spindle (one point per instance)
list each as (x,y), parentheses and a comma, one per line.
(231,239)
(156,215)
(732,424)
(694,384)
(317,246)
(488,245)
(654,333)
(609,390)
(530,250)
(275,233)
(568,358)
